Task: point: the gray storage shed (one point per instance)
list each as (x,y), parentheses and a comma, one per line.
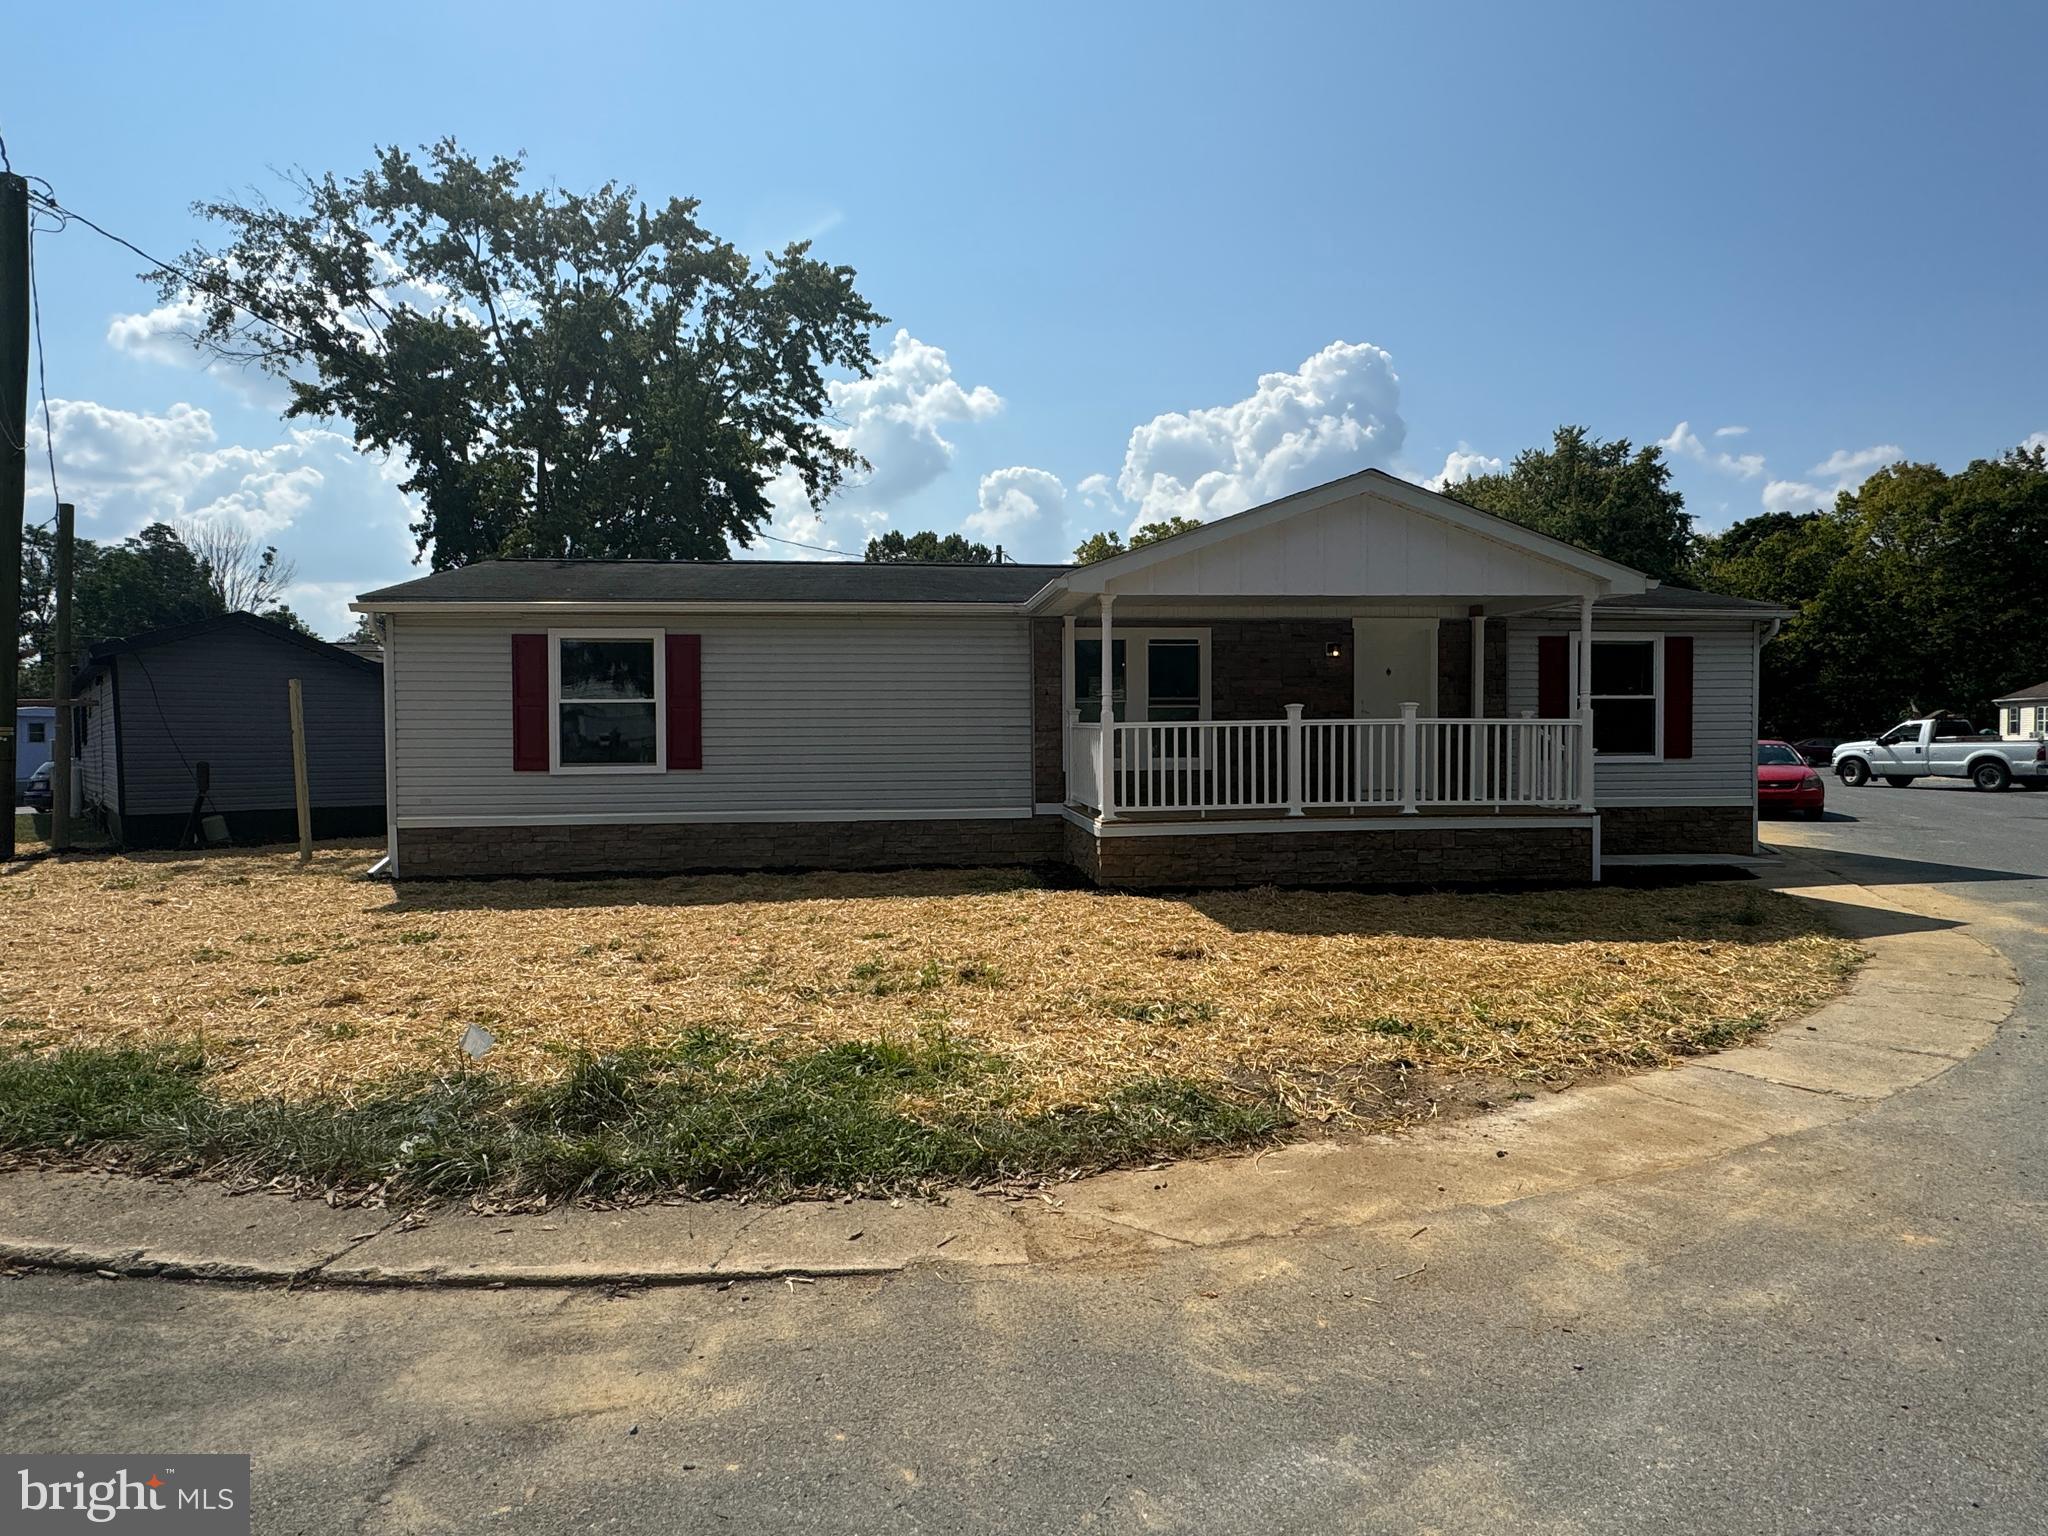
(158,714)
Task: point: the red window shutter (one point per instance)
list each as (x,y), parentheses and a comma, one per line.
(530,703)
(1554,676)
(685,667)
(1678,695)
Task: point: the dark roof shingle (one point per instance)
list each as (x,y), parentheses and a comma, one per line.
(658,582)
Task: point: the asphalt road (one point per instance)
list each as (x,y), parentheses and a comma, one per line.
(1837,1332)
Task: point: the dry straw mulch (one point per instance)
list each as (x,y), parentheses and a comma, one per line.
(315,981)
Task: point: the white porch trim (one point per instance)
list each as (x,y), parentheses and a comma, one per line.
(1291,824)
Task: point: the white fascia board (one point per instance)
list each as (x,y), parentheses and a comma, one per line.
(543,605)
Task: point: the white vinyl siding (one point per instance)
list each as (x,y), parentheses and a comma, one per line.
(98,770)
(805,716)
(1722,768)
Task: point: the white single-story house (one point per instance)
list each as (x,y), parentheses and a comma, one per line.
(1364,682)
(2024,713)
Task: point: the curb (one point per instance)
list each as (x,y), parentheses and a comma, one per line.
(1930,996)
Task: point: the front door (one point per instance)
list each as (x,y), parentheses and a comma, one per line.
(1393,662)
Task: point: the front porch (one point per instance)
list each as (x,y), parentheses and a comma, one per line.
(1319,690)
(1255,770)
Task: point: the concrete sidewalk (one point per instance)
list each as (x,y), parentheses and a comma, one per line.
(1930,996)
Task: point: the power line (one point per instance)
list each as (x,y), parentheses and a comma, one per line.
(35,302)
(843,554)
(48,203)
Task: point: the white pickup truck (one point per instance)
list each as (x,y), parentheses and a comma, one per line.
(1942,747)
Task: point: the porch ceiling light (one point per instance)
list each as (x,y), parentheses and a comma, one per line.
(1334,650)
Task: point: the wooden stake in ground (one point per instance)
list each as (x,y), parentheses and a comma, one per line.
(60,689)
(299,789)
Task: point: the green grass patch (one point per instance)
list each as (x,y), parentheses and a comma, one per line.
(708,1115)
(1173,1012)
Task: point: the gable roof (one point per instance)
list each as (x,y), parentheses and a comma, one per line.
(268,629)
(1410,498)
(660,583)
(2038,694)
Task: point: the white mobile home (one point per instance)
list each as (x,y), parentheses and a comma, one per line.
(1364,682)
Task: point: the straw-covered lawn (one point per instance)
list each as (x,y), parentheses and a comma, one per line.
(314,983)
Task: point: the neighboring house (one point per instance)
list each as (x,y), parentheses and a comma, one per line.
(154,710)
(1363,682)
(35,733)
(2024,713)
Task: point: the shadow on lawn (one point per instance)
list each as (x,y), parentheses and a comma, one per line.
(713,888)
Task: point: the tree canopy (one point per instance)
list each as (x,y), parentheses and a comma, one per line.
(565,373)
(1918,592)
(953,549)
(1100,546)
(1611,498)
(150,581)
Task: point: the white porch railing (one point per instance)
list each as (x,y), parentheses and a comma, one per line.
(1297,766)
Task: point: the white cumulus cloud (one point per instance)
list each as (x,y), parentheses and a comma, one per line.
(1843,470)
(1795,496)
(1338,412)
(1844,464)
(1684,442)
(1023,509)
(336,511)
(892,418)
(1731,431)
(1463,464)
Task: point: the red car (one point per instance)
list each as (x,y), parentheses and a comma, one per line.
(1785,781)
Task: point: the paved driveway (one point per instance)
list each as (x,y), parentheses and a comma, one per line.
(1837,1332)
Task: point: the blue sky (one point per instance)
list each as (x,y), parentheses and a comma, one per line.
(1144,258)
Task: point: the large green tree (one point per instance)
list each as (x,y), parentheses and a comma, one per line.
(1920,591)
(1100,546)
(1612,498)
(566,373)
(150,581)
(953,549)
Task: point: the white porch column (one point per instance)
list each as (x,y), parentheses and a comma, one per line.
(1294,763)
(1584,703)
(1108,771)
(1478,710)
(1476,785)
(1411,758)
(1069,718)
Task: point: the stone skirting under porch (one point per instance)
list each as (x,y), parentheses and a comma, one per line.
(1335,851)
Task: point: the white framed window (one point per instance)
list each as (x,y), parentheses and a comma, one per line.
(607,701)
(1158,676)
(1627,695)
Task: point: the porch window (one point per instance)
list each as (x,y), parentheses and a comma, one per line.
(606,689)
(1167,675)
(1625,698)
(1088,679)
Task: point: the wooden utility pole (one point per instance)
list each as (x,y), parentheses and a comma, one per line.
(13,460)
(299,789)
(60,688)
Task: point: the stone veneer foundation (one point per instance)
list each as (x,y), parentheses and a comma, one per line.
(1377,854)
(681,847)
(1677,829)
